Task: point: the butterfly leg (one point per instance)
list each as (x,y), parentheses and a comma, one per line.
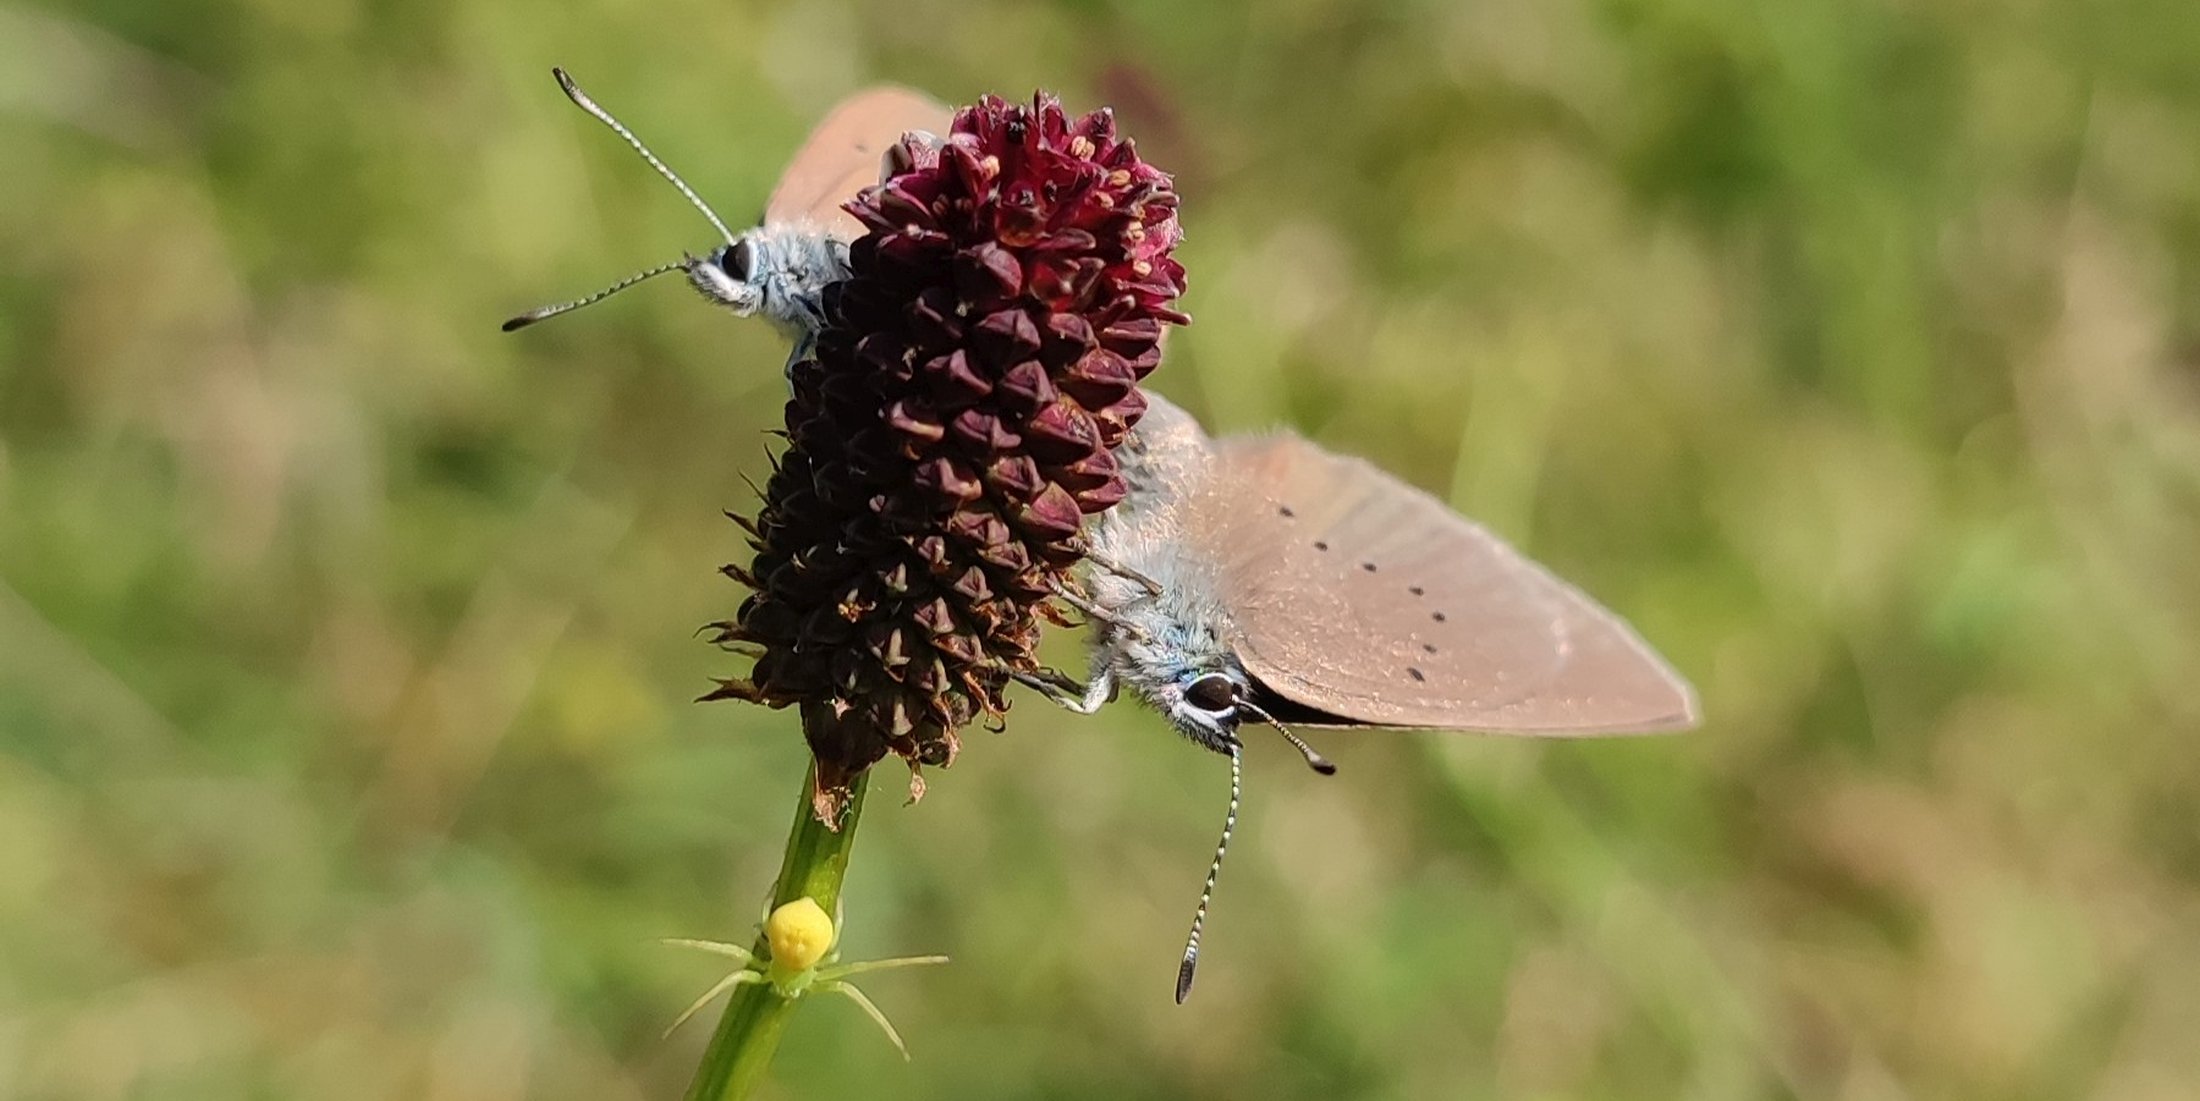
(1059,679)
(1100,691)
(1103,562)
(1099,614)
(1063,692)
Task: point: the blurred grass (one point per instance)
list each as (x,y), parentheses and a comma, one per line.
(1849,348)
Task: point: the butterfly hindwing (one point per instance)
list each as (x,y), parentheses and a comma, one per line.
(1365,601)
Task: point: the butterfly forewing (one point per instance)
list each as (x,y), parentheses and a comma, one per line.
(1369,602)
(841,156)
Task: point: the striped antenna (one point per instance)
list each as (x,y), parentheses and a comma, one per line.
(540,312)
(1314,760)
(580,99)
(1199,917)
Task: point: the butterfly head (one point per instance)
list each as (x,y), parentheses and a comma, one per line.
(778,270)
(727,276)
(1209,706)
(1205,705)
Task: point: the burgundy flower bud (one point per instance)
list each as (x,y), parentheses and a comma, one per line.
(983,433)
(933,322)
(1101,497)
(1062,432)
(1006,336)
(954,381)
(979,530)
(920,427)
(986,272)
(1015,477)
(1100,379)
(946,478)
(1010,557)
(973,586)
(1053,516)
(1091,471)
(1026,387)
(949,432)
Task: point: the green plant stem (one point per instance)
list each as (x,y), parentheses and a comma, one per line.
(741,1049)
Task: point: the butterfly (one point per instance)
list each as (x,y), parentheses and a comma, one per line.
(1262,578)
(781,267)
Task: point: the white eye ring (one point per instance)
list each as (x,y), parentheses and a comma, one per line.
(739,260)
(1214,693)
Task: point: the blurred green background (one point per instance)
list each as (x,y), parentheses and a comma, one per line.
(1851,349)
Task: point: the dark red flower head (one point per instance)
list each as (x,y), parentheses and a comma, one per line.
(953,428)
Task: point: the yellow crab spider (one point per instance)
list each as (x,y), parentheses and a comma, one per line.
(800,937)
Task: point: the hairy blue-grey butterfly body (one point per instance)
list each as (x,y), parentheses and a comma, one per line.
(781,267)
(1264,578)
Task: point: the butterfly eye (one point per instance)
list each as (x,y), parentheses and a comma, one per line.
(737,260)
(1213,692)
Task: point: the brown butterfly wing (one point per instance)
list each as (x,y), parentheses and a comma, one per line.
(1365,601)
(841,156)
